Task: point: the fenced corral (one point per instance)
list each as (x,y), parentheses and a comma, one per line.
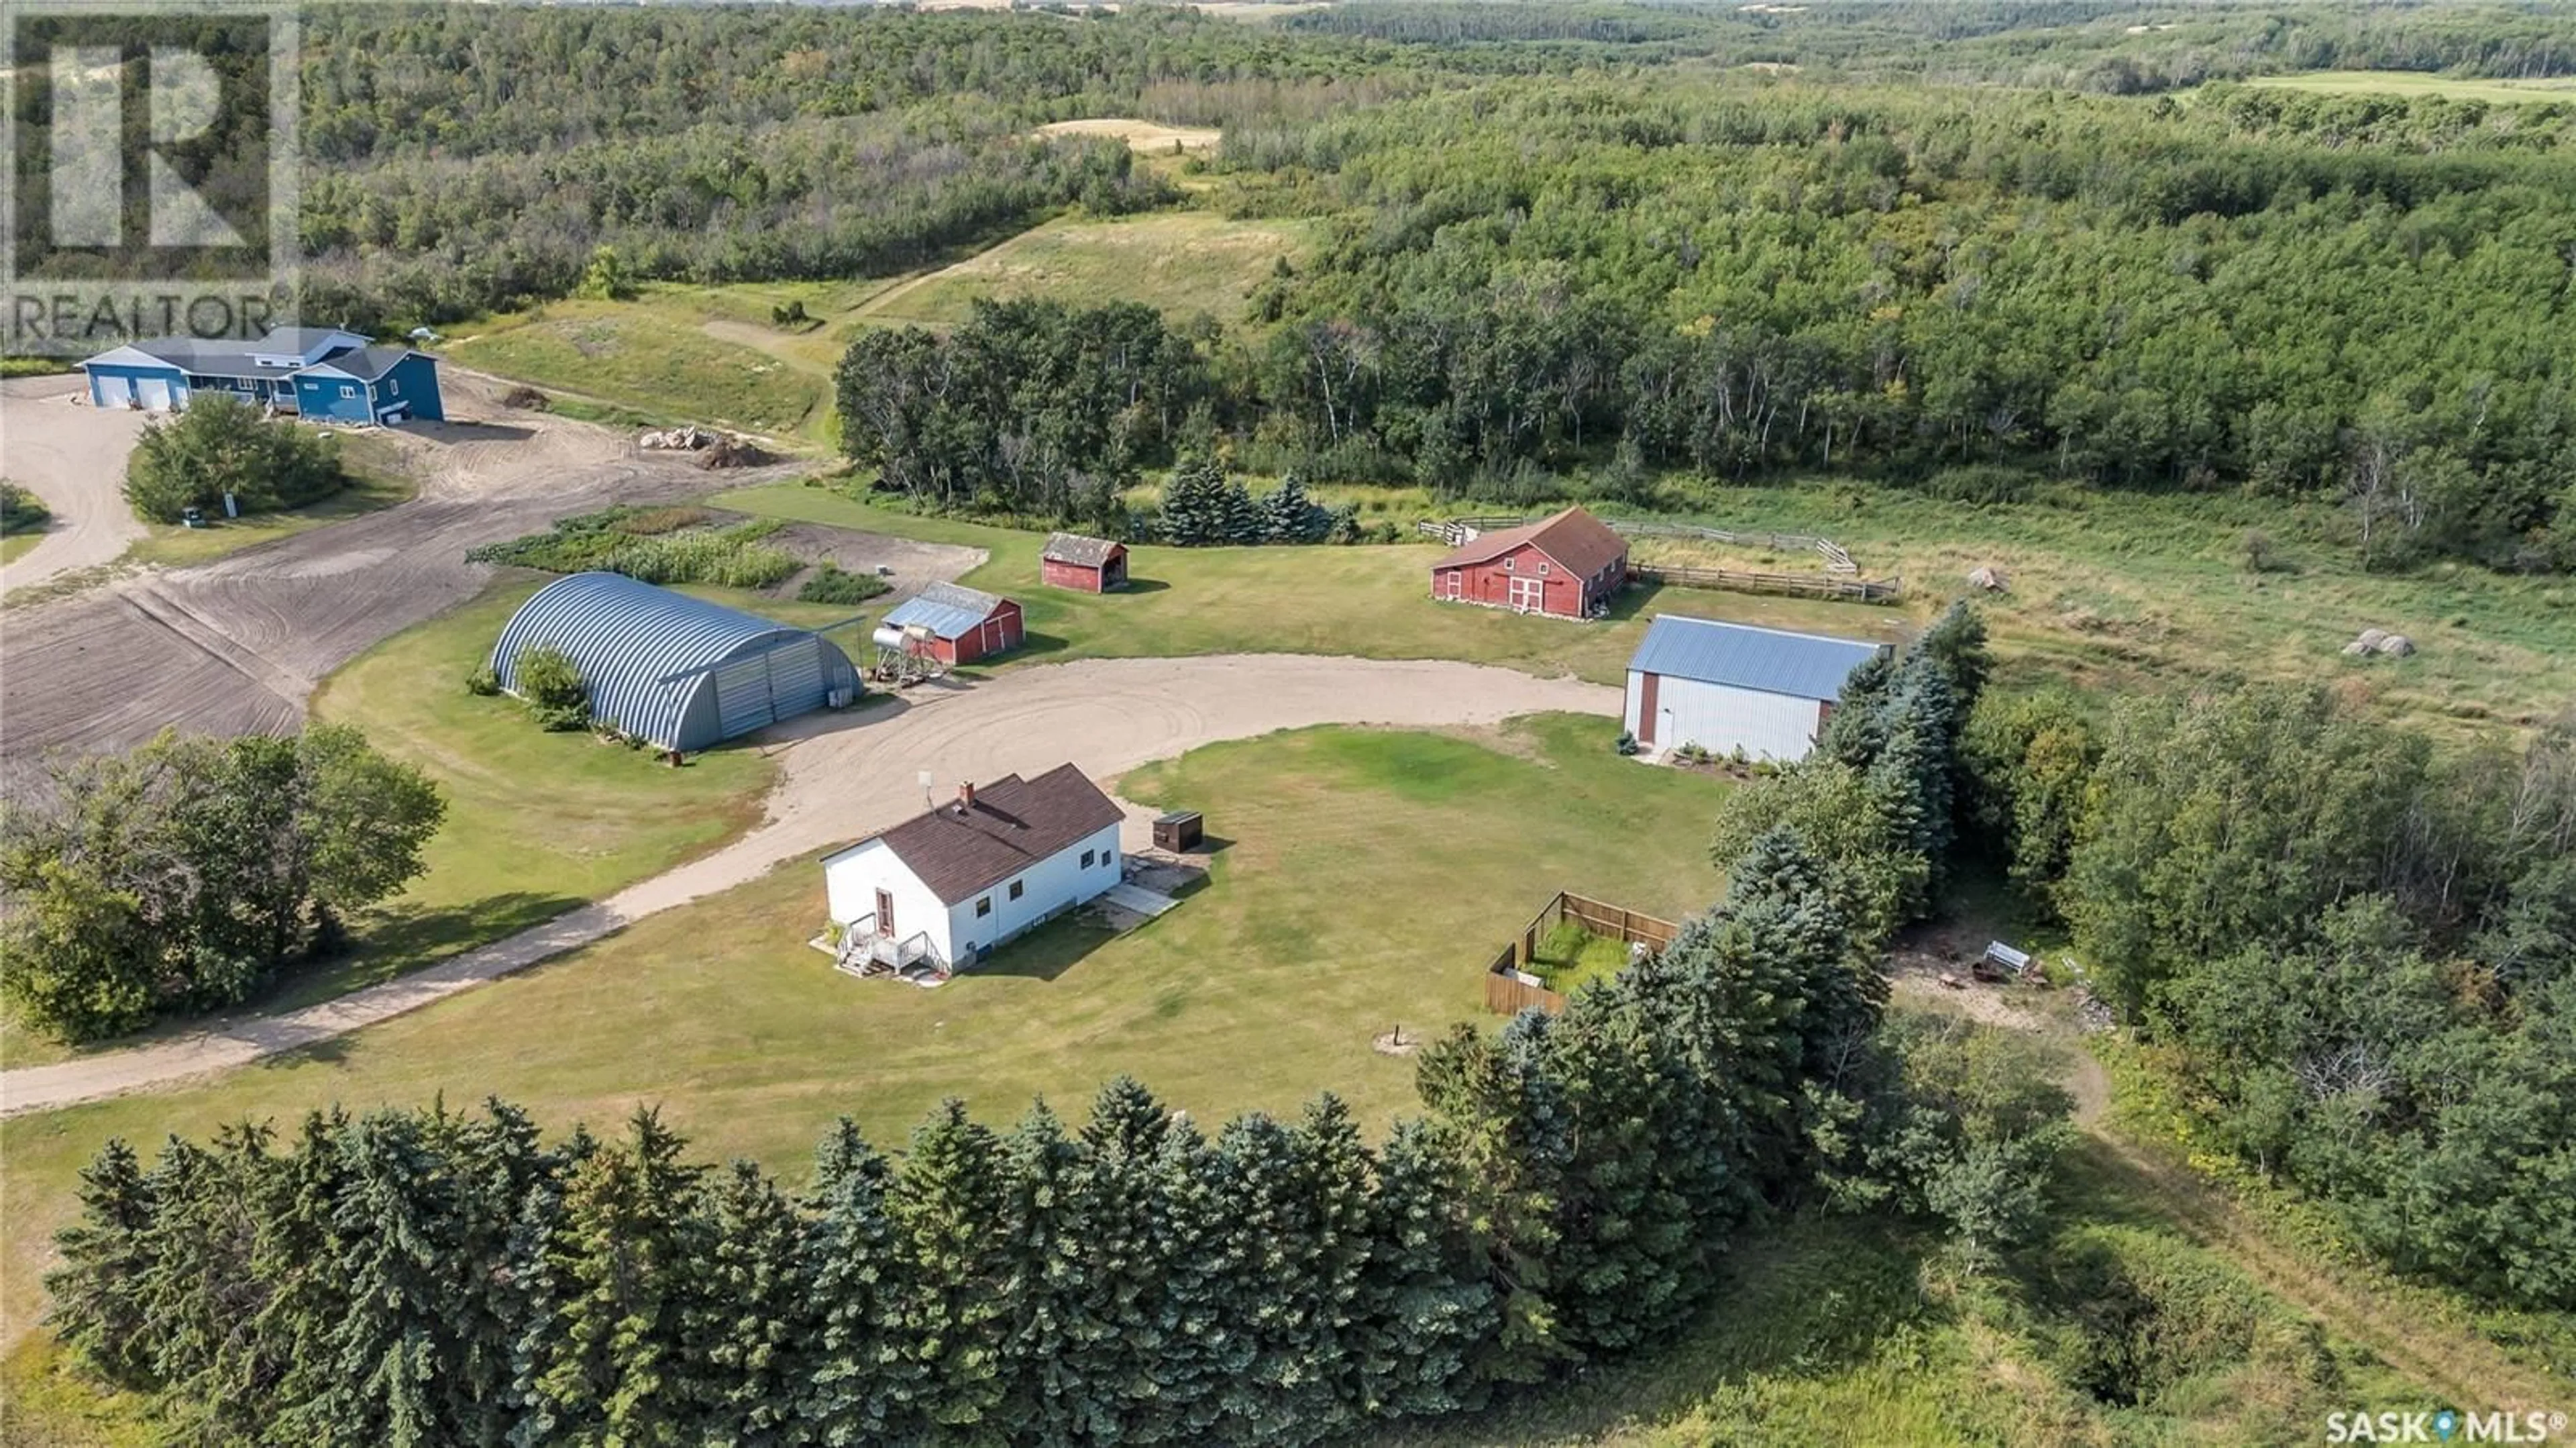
(1796,585)
(1509,986)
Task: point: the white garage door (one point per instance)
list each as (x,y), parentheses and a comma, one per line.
(154,391)
(742,696)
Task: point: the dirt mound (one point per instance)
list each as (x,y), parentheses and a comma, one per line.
(733,452)
(526,399)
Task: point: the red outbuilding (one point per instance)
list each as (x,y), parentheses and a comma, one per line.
(955,625)
(1093,565)
(1566,566)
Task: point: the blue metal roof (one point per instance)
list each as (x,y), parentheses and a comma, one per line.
(644,652)
(1802,666)
(947,609)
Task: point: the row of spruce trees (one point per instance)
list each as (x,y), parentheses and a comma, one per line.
(434,1277)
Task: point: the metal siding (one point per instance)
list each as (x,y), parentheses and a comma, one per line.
(1722,719)
(742,696)
(796,677)
(945,609)
(644,652)
(1802,666)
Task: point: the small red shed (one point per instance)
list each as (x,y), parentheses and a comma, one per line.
(962,624)
(1566,566)
(1093,565)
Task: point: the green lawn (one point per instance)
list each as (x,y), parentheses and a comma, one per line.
(1373,602)
(1365,880)
(653,356)
(2424,83)
(537,823)
(15,545)
(1569,955)
(377,479)
(1182,263)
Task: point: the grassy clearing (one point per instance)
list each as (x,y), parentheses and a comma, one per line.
(1569,955)
(1264,987)
(378,478)
(15,546)
(649,355)
(1373,602)
(537,823)
(2424,83)
(1182,263)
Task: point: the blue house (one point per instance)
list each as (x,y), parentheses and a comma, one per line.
(318,372)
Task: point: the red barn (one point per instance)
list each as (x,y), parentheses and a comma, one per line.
(1565,567)
(962,624)
(1093,565)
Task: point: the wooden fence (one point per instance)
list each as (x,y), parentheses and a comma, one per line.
(1509,989)
(1799,585)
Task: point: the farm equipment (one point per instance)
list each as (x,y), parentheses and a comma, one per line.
(904,655)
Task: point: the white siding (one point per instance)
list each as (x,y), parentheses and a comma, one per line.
(1722,719)
(1048,888)
(851,883)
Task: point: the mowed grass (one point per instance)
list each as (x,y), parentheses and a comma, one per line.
(651,357)
(2425,83)
(537,823)
(1368,602)
(1366,879)
(1181,263)
(378,478)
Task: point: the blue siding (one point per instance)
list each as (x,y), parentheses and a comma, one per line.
(324,397)
(647,654)
(413,380)
(110,384)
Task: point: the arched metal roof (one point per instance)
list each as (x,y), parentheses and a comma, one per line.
(644,652)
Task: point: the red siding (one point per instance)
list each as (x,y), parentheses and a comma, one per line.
(1562,596)
(1071,575)
(1002,628)
(1646,693)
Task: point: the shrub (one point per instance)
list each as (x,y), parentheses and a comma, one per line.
(655,545)
(551,684)
(20,512)
(1627,742)
(527,399)
(1979,483)
(832,583)
(221,445)
(483,681)
(2262,555)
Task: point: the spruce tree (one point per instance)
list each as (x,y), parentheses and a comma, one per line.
(862,1384)
(395,1252)
(1121,1329)
(1424,1314)
(1194,504)
(1047,1384)
(98,1291)
(612,1358)
(1240,519)
(1289,516)
(1495,1113)
(506,1185)
(755,1314)
(951,1210)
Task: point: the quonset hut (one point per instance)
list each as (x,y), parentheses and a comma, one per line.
(675,671)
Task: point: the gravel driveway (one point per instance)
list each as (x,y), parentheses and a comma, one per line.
(72,457)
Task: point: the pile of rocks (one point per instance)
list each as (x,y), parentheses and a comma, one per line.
(686,439)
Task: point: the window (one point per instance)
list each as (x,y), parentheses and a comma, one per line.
(984,907)
(1507,565)
(1542,570)
(1015,889)
(1087,857)
(348,390)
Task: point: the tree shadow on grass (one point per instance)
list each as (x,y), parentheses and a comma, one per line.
(398,938)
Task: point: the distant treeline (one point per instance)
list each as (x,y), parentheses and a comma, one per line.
(2097,45)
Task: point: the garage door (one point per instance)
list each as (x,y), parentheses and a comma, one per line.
(154,391)
(742,696)
(795,678)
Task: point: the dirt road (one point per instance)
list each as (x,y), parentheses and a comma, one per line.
(73,458)
(850,775)
(238,644)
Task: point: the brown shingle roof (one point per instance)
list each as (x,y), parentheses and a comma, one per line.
(1076,549)
(1580,543)
(1013,824)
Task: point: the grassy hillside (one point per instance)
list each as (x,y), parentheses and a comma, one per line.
(2423,83)
(1183,263)
(648,355)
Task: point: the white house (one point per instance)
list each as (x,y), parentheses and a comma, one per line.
(944,887)
(1731,686)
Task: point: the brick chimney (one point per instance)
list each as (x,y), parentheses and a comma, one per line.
(965,795)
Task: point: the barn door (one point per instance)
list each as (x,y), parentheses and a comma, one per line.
(796,684)
(1529,595)
(742,696)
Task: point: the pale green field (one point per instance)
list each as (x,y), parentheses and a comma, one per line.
(2424,83)
(1182,263)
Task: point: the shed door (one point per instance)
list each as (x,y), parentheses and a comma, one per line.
(1529,595)
(742,696)
(796,677)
